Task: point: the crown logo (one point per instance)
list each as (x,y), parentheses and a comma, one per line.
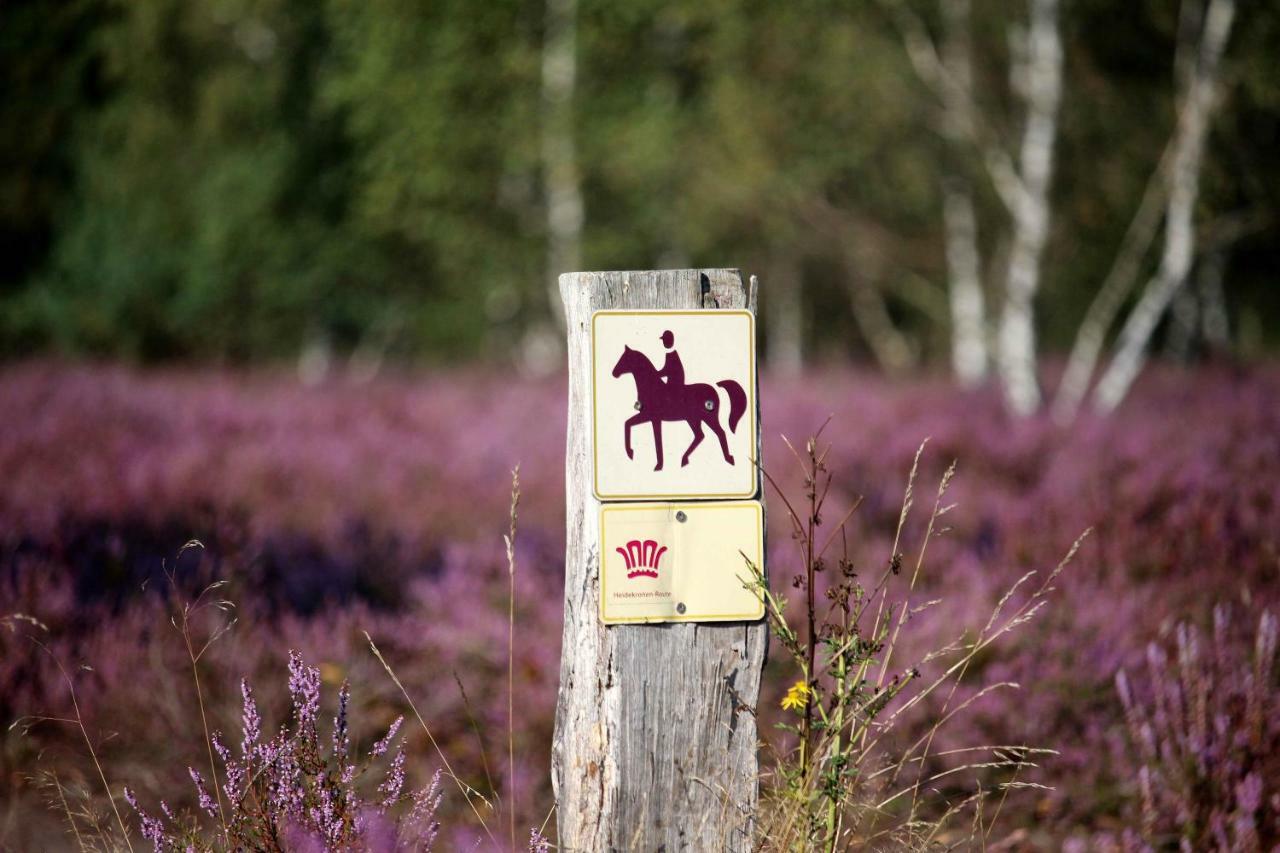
(642,558)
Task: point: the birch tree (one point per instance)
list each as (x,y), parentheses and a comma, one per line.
(969,355)
(562,181)
(1106,305)
(1122,277)
(1023,187)
(1037,77)
(1179,232)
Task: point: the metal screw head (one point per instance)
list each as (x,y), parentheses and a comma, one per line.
(680,608)
(637,405)
(681,517)
(709,405)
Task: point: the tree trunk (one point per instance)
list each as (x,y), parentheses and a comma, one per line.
(1110,298)
(655,740)
(964,285)
(969,356)
(1179,234)
(561,180)
(1038,77)
(1123,275)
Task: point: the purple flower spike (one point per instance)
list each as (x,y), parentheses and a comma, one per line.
(381,746)
(304,687)
(341,742)
(394,784)
(206,802)
(287,788)
(252,722)
(538,842)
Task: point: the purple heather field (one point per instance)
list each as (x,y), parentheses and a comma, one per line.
(343,508)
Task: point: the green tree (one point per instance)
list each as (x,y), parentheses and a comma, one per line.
(441,104)
(211,190)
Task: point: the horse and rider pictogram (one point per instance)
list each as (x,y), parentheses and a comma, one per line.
(662,395)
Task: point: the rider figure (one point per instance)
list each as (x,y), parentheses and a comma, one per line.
(672,371)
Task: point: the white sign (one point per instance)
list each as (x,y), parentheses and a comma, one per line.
(680,562)
(674,404)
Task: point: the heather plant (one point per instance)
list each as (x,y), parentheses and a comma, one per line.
(292,791)
(852,781)
(1204,736)
(277,792)
(287,792)
(352,506)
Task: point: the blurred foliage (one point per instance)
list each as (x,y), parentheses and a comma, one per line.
(239,179)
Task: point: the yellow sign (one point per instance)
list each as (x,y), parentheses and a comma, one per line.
(674,404)
(680,562)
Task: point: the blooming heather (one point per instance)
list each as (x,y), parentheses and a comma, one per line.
(251,722)
(286,789)
(1204,737)
(152,828)
(381,746)
(342,508)
(202,793)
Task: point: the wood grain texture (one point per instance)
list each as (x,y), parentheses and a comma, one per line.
(653,748)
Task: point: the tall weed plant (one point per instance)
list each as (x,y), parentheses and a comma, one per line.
(858,778)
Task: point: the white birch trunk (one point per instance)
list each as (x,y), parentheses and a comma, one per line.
(969,357)
(1106,305)
(1039,79)
(1179,234)
(968,305)
(561,179)
(1123,275)
(655,739)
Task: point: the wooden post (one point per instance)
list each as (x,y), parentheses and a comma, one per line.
(655,739)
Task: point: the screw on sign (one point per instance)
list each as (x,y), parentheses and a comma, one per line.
(663,645)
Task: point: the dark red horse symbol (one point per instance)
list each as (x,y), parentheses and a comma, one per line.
(663,396)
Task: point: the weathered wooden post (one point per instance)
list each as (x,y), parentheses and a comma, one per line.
(655,748)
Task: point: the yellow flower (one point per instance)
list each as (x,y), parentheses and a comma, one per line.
(796,696)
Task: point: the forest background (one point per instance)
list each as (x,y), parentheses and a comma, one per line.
(246,181)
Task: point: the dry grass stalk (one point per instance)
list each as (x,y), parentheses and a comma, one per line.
(843,786)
